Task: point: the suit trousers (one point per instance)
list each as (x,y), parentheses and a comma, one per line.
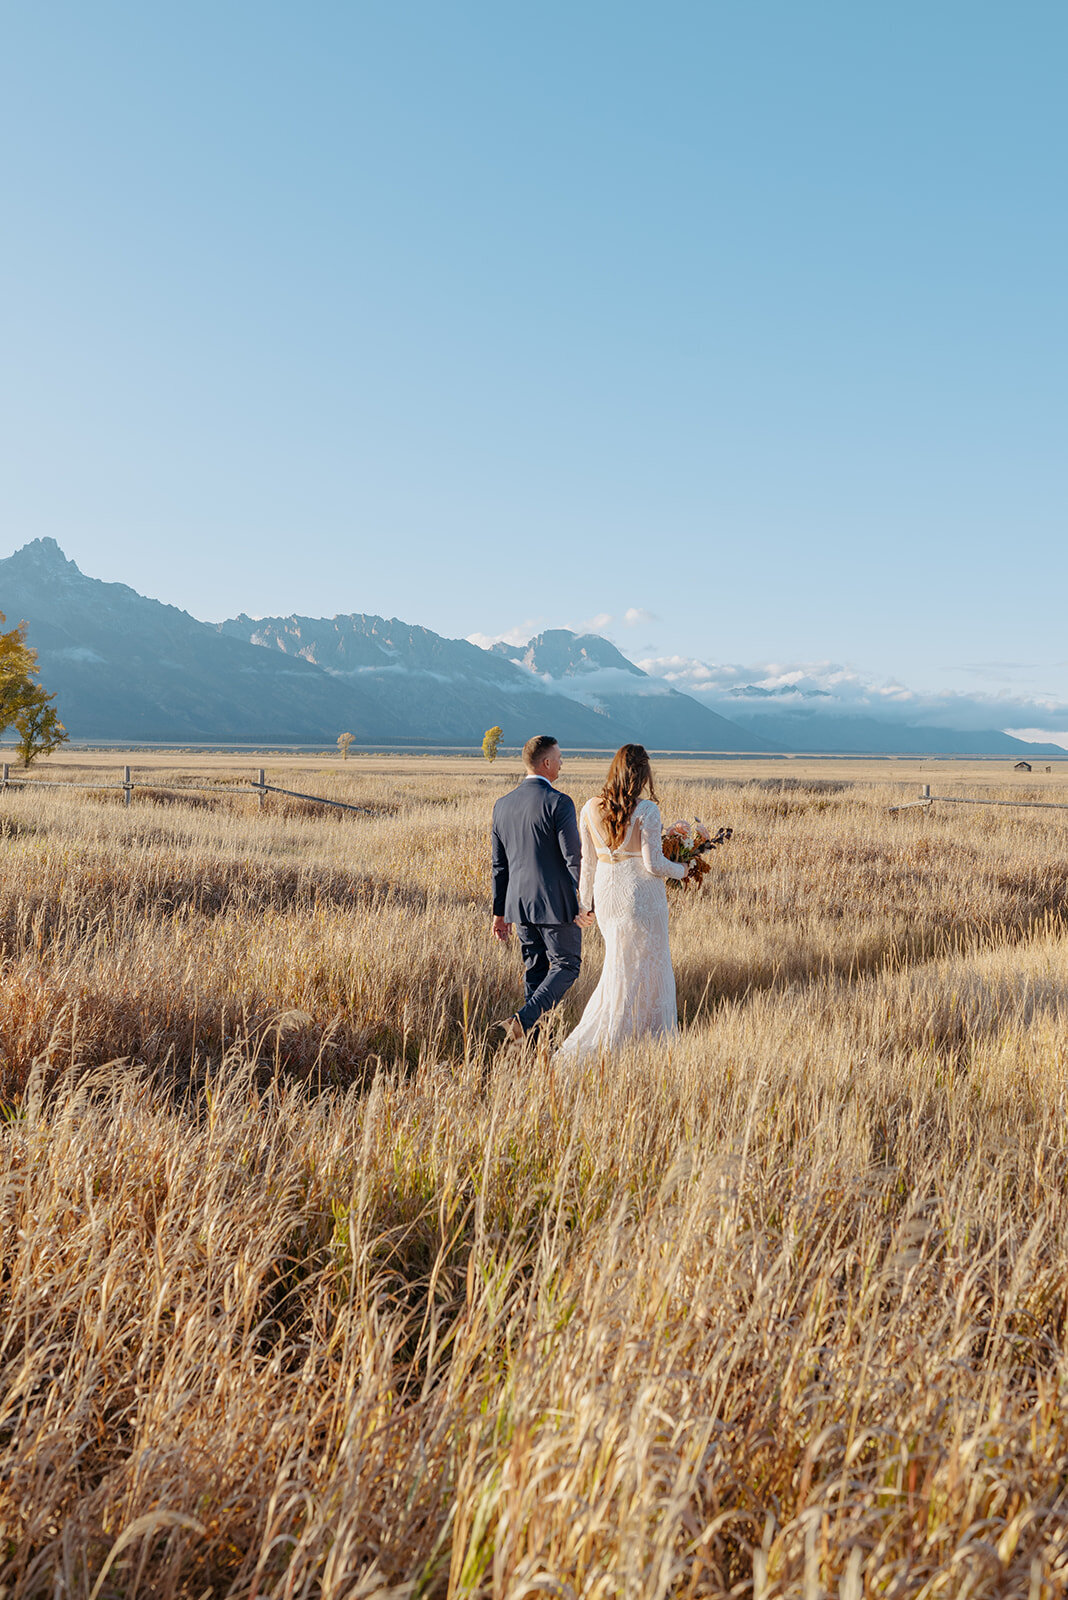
(552,955)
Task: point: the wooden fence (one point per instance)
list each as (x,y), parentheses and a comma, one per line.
(928,799)
(261,788)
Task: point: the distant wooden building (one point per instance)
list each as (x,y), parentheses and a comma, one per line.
(1022,766)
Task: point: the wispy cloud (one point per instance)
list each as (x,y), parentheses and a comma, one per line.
(635,616)
(1011,671)
(597,624)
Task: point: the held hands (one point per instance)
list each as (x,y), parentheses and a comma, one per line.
(501,929)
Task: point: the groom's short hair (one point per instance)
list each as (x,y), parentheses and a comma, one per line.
(535,748)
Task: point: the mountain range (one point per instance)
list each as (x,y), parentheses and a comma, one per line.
(124,667)
(127,668)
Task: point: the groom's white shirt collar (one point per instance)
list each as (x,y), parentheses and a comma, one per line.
(538,777)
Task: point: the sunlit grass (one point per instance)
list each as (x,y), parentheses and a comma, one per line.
(307,1291)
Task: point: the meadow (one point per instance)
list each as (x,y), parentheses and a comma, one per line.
(308,1289)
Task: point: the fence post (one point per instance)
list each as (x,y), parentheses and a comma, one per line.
(261,778)
(925,792)
(7,770)
(127,786)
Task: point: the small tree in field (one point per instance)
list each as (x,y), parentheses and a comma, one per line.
(490,740)
(39,729)
(343,742)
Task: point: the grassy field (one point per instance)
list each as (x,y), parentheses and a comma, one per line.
(307,1290)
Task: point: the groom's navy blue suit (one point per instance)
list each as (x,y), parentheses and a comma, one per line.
(536,860)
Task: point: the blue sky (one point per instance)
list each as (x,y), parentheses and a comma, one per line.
(746,320)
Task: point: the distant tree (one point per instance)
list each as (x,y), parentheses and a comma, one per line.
(343,742)
(39,729)
(23,703)
(490,740)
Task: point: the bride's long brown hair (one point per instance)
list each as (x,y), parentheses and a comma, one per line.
(628,775)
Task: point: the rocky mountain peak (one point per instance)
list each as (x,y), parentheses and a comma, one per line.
(563,654)
(46,557)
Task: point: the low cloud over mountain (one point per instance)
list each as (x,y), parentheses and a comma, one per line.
(815,701)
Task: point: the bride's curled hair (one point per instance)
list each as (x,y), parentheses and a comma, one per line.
(628,775)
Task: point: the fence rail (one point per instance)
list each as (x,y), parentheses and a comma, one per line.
(260,787)
(928,799)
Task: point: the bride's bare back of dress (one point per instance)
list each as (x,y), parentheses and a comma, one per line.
(625,886)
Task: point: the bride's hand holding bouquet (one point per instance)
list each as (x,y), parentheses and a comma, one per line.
(692,843)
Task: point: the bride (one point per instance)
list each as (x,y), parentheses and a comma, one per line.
(622,879)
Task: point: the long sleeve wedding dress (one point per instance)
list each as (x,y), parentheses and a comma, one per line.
(625,886)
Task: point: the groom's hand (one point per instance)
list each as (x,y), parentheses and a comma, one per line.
(585,919)
(501,929)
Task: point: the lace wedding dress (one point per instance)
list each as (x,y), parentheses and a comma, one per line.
(625,886)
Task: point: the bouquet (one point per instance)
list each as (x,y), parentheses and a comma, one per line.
(691,842)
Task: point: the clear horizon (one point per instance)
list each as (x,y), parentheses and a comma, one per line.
(739,333)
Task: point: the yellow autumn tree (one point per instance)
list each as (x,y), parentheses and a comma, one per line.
(490,740)
(24,705)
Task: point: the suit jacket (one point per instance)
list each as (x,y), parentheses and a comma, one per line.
(536,855)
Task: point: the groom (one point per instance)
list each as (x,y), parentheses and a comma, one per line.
(536,858)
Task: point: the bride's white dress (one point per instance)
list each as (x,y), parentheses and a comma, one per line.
(625,886)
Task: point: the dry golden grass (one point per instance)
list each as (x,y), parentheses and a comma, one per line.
(308,1292)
